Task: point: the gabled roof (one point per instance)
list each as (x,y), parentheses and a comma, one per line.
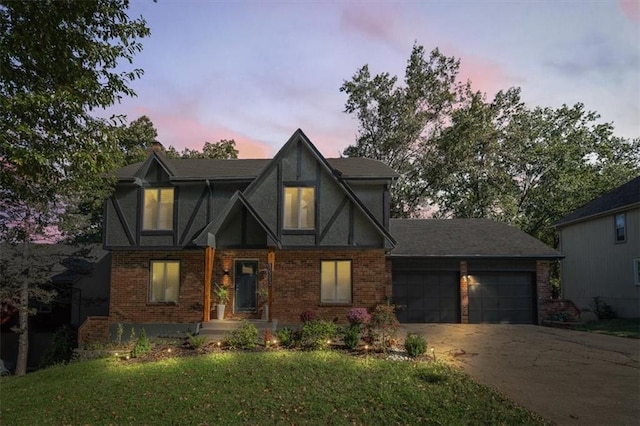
(465,238)
(208,235)
(626,195)
(249,169)
(299,137)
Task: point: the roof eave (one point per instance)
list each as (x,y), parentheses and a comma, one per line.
(596,215)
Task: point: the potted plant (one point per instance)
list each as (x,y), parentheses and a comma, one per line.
(222,295)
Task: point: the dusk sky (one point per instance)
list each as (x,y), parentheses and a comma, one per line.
(256,71)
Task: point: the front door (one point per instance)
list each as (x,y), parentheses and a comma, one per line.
(246,285)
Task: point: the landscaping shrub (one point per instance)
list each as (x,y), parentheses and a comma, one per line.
(358,316)
(415,345)
(196,342)
(244,337)
(285,337)
(307,316)
(317,334)
(64,341)
(142,345)
(602,309)
(383,326)
(351,336)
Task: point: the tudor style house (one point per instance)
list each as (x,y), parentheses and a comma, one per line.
(300,232)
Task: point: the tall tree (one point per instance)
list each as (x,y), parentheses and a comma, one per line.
(224,149)
(58,62)
(397,123)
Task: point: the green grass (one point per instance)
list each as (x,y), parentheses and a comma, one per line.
(621,327)
(279,387)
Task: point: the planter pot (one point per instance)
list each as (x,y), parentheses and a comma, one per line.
(265,313)
(220,311)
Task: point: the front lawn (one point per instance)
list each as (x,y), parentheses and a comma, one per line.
(621,327)
(270,387)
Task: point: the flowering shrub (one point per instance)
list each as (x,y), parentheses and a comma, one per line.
(358,316)
(383,325)
(307,316)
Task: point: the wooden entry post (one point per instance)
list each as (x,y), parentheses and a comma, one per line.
(209,252)
(271,260)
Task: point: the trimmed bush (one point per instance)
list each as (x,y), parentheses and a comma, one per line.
(285,337)
(142,345)
(415,345)
(317,334)
(196,342)
(351,336)
(244,337)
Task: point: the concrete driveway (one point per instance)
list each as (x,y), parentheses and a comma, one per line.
(568,377)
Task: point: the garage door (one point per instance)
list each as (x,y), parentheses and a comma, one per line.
(427,296)
(505,297)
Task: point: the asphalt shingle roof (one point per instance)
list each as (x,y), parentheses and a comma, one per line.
(464,238)
(624,195)
(350,168)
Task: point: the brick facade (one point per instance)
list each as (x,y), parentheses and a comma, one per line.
(543,288)
(93,330)
(130,280)
(464,293)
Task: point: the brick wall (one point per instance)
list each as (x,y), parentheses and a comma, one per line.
(129,301)
(543,289)
(464,293)
(93,330)
(296,282)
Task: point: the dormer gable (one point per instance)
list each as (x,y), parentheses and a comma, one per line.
(154,170)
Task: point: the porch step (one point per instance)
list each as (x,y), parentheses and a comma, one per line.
(218,329)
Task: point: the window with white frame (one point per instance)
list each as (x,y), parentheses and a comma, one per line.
(621,227)
(299,207)
(335,281)
(158,209)
(165,281)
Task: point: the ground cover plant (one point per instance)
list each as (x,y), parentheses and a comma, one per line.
(235,387)
(621,327)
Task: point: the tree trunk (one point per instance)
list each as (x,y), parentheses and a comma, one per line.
(23,336)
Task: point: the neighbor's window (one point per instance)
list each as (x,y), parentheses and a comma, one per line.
(299,208)
(165,281)
(158,209)
(621,229)
(335,281)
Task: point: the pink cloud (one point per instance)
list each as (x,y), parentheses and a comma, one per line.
(378,22)
(188,132)
(631,9)
(485,76)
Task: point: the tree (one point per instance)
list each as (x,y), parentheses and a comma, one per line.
(225,149)
(397,123)
(57,64)
(135,139)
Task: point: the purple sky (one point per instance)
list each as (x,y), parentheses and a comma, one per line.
(256,71)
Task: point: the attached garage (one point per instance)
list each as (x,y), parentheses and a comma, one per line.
(501,297)
(427,296)
(467,270)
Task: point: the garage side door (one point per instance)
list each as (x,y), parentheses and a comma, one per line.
(501,297)
(427,296)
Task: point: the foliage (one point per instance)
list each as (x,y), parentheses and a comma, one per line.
(318,334)
(225,149)
(285,337)
(196,342)
(317,387)
(415,345)
(461,155)
(142,345)
(222,293)
(351,336)
(396,122)
(119,333)
(245,337)
(58,63)
(602,309)
(383,326)
(308,315)
(358,316)
(64,341)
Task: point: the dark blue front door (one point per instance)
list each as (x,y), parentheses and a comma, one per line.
(246,283)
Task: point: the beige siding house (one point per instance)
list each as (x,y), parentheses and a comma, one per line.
(601,245)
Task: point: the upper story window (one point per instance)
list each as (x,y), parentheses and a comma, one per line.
(158,209)
(621,227)
(299,207)
(165,281)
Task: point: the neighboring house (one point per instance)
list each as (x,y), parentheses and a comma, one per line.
(601,245)
(80,276)
(313,232)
